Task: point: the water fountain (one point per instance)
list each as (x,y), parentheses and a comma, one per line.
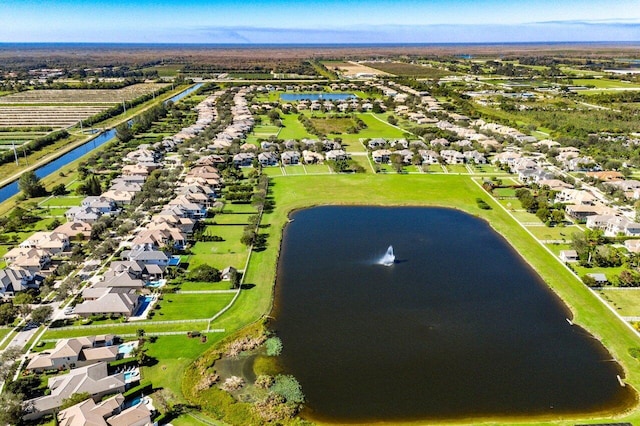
(389,258)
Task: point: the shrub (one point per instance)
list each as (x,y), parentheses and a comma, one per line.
(274,346)
(288,387)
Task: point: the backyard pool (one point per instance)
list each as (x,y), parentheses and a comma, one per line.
(156,283)
(144,303)
(126,348)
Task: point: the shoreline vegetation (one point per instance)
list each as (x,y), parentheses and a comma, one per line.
(456,192)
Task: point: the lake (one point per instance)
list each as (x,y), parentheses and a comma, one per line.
(295,97)
(459,327)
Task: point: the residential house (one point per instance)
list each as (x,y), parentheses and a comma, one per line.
(82,214)
(136,170)
(381,156)
(92,379)
(267,159)
(109,412)
(73,353)
(103,204)
(53,242)
(311,157)
(244,159)
(120,198)
(15,280)
(429,156)
(111,302)
(146,255)
(73,229)
(290,158)
(336,155)
(575,196)
(569,256)
(30,259)
(452,157)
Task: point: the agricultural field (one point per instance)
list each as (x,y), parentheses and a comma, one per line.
(56,117)
(403,69)
(82,96)
(351,69)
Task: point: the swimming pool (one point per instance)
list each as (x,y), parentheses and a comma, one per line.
(131,376)
(126,348)
(144,303)
(156,284)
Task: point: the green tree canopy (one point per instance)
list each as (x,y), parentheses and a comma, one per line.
(30,185)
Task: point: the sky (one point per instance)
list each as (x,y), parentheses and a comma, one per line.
(318,21)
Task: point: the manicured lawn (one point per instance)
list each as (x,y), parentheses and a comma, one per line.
(511,204)
(190,306)
(294,170)
(504,192)
(220,254)
(457,168)
(554,233)
(603,83)
(272,171)
(626,302)
(200,286)
(293,129)
(230,219)
(525,217)
(317,168)
(131,328)
(65,201)
(432,168)
(174,354)
(239,208)
(611,273)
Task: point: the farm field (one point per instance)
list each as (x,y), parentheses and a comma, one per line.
(351,69)
(56,117)
(403,69)
(81,96)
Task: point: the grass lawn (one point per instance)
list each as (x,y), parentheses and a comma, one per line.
(511,204)
(239,208)
(504,192)
(317,168)
(432,168)
(554,233)
(220,254)
(526,217)
(557,248)
(626,302)
(611,273)
(200,286)
(603,83)
(332,125)
(65,201)
(457,168)
(191,306)
(294,170)
(229,219)
(130,328)
(272,171)
(174,354)
(293,129)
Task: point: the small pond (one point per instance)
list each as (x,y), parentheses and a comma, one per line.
(458,327)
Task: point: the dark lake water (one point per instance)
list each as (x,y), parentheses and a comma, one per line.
(458,327)
(316,96)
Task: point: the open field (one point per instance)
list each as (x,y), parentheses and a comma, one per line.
(352,69)
(625,301)
(603,83)
(80,96)
(191,306)
(403,69)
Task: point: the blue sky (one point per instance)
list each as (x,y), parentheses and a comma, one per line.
(318,21)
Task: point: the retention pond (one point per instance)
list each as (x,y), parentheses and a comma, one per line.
(458,327)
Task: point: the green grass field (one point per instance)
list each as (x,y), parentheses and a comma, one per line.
(190,306)
(625,302)
(553,233)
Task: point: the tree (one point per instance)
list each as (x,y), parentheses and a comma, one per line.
(124,133)
(59,189)
(30,185)
(41,314)
(92,185)
(629,278)
(8,313)
(205,273)
(10,408)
